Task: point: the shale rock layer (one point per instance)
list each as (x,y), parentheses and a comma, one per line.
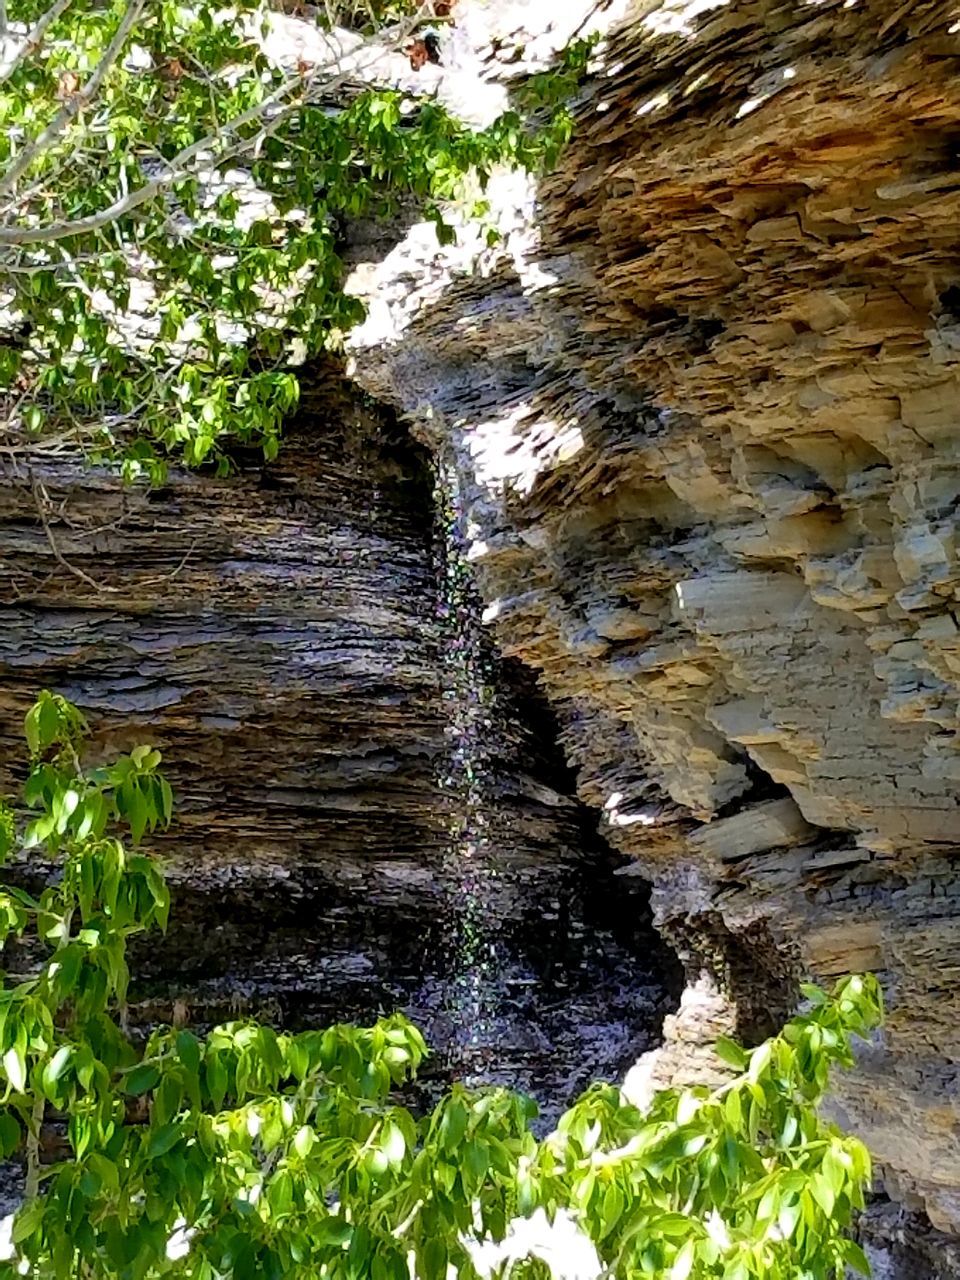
(372,812)
(704,401)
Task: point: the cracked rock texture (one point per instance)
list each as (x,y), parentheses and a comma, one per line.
(704,401)
(371,810)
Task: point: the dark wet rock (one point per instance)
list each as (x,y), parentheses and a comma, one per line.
(373,812)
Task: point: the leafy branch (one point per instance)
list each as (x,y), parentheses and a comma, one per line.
(174,203)
(251,1153)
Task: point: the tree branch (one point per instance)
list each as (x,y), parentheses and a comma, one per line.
(32,41)
(179,168)
(32,1185)
(40,498)
(177,171)
(72,108)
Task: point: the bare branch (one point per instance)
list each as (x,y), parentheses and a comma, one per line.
(32,41)
(32,1184)
(177,172)
(42,501)
(75,104)
(179,168)
(168,577)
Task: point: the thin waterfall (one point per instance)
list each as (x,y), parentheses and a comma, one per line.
(546,971)
(469,873)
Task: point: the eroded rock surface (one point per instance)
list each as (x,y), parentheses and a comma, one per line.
(704,404)
(372,812)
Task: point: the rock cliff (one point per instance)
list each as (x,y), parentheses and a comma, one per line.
(371,809)
(703,403)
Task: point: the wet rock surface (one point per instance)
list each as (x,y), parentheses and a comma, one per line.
(373,812)
(561,991)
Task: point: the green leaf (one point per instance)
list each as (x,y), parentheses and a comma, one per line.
(683,1263)
(10,1134)
(434,1259)
(280,1193)
(216,1079)
(392,1143)
(823,1193)
(854,1257)
(788,1218)
(167,1099)
(142,1079)
(163,1139)
(14,1066)
(816,995)
(166,800)
(188,1050)
(28,1220)
(48,720)
(376,1162)
(453,1126)
(760,1060)
(612,1209)
(476,1158)
(730,1052)
(303,1141)
(54,1069)
(31,727)
(671,1224)
(333,1231)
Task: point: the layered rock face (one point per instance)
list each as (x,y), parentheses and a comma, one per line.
(371,809)
(704,403)
(290,605)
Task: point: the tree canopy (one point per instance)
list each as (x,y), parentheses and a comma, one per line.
(172,198)
(252,1152)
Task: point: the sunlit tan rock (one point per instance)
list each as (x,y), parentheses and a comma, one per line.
(715,367)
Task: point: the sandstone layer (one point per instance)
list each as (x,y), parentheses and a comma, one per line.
(704,401)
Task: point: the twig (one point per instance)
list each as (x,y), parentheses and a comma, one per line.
(32,1185)
(168,577)
(32,41)
(85,532)
(75,104)
(178,170)
(40,498)
(179,167)
(50,445)
(18,595)
(402,1228)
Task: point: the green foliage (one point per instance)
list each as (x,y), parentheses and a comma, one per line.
(132,135)
(742,1181)
(252,1153)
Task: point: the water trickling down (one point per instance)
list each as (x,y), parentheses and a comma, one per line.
(469,872)
(424,847)
(538,990)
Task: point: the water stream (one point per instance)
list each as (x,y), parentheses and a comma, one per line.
(550,973)
(508,939)
(472,951)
